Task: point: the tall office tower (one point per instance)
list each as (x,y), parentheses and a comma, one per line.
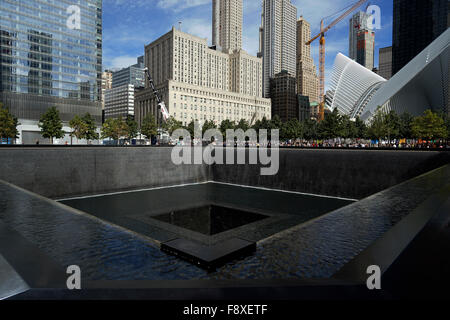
(278,39)
(199,83)
(106,84)
(283,96)
(134,75)
(385,62)
(365,53)
(48,60)
(416,23)
(307,79)
(361,40)
(227,24)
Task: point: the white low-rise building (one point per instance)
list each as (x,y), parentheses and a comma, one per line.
(119,102)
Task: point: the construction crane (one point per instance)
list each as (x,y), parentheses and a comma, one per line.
(321,35)
(161,104)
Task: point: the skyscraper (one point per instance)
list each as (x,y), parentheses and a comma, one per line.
(227,24)
(416,23)
(283,96)
(307,80)
(361,40)
(385,62)
(365,52)
(357,22)
(277,39)
(47,60)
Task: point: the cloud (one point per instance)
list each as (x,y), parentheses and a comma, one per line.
(179,5)
(119,62)
(197,27)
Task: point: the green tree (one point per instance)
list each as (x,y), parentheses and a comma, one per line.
(310,129)
(266,124)
(171,125)
(149,127)
(243,124)
(275,123)
(226,125)
(377,129)
(208,125)
(392,125)
(347,128)
(91,128)
(361,128)
(132,129)
(51,125)
(405,125)
(291,129)
(8,124)
(331,126)
(430,126)
(78,127)
(113,128)
(446,117)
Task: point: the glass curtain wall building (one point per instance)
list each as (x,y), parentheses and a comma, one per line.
(51,55)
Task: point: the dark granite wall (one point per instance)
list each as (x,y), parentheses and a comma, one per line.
(65,172)
(342,173)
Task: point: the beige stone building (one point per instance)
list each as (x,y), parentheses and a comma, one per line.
(227,24)
(106,84)
(199,83)
(307,79)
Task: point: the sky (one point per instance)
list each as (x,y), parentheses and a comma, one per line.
(128,25)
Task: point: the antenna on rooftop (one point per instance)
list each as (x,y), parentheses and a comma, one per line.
(179,25)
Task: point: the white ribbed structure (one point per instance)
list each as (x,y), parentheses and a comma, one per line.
(420,85)
(352,85)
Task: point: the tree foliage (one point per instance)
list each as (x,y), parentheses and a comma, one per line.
(91,127)
(171,125)
(226,125)
(430,126)
(78,126)
(149,128)
(131,128)
(113,128)
(332,126)
(51,125)
(208,125)
(291,129)
(8,124)
(243,124)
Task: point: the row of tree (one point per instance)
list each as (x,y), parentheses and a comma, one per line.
(429,126)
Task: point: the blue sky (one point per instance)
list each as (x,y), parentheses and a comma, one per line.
(128,25)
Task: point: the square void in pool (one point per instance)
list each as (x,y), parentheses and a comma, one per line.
(210,220)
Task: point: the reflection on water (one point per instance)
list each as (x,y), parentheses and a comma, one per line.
(209,220)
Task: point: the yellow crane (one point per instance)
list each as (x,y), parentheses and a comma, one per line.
(321,35)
